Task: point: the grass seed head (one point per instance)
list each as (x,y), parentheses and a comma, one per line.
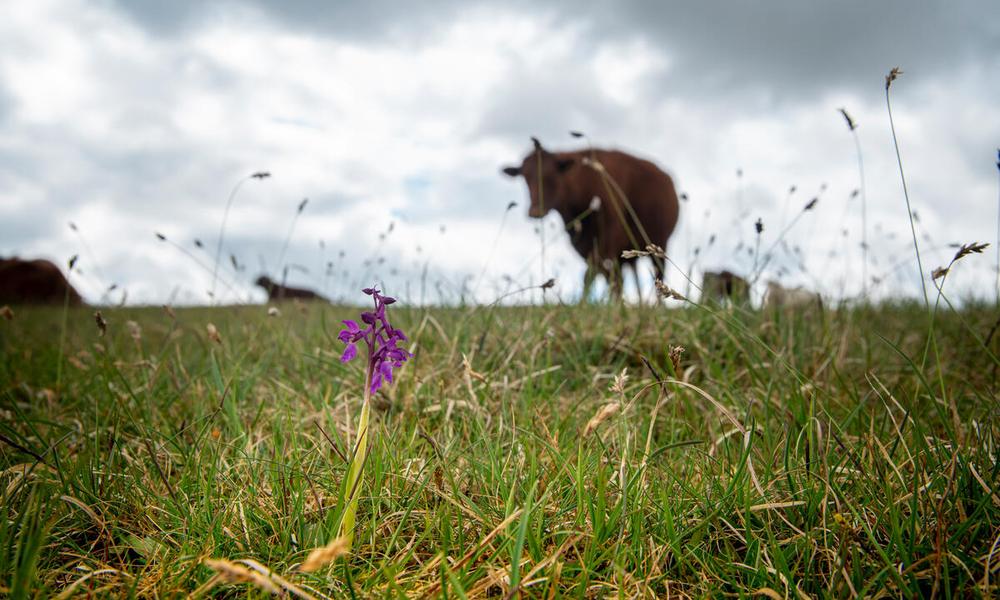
(134,330)
(231,572)
(102,325)
(603,414)
(213,333)
(675,358)
(664,291)
(893,74)
(850,122)
(618,385)
(654,250)
(967,249)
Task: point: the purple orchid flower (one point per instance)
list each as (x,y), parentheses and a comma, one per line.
(381,338)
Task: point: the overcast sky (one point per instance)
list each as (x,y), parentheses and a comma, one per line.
(394,118)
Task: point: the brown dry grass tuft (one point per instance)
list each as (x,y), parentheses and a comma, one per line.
(603,414)
(230,572)
(324,555)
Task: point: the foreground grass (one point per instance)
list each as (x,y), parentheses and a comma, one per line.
(825,455)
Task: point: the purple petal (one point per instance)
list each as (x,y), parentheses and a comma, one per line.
(368,318)
(388,300)
(386,370)
(351,325)
(370,291)
(349,353)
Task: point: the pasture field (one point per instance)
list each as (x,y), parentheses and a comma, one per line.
(786,454)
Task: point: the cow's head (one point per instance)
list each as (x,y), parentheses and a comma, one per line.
(545,174)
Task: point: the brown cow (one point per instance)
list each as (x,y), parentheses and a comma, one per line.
(276,291)
(724,285)
(778,296)
(586,188)
(34,282)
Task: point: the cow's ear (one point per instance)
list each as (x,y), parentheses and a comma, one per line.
(563,164)
(511,171)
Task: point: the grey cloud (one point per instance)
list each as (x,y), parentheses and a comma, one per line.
(347,20)
(718,46)
(797,46)
(22,229)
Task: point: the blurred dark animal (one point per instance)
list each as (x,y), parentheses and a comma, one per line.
(724,285)
(778,296)
(34,282)
(586,188)
(276,291)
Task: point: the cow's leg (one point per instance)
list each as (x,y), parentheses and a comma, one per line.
(588,281)
(659,265)
(635,276)
(613,273)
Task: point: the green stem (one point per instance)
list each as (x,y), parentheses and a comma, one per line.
(358,459)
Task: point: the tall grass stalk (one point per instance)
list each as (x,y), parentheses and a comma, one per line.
(541,203)
(998,230)
(65,322)
(225,217)
(864,202)
(893,74)
(288,239)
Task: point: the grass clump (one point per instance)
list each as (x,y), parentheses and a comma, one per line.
(778,453)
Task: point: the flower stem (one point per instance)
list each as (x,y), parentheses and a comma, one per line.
(358,459)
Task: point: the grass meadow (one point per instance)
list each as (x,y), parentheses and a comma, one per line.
(590,451)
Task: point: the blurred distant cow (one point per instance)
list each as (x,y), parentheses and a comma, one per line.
(34,282)
(778,296)
(276,291)
(586,187)
(724,285)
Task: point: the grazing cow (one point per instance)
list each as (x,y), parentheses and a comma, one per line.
(610,202)
(778,296)
(34,282)
(276,291)
(724,285)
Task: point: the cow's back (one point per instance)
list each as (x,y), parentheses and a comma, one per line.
(650,192)
(34,282)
